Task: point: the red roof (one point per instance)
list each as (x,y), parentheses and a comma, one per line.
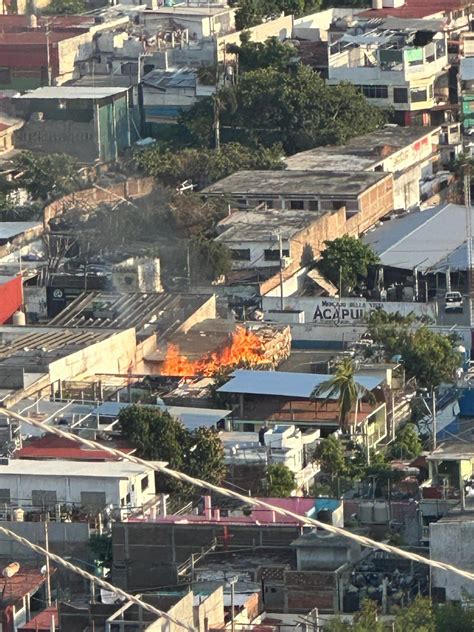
(58,22)
(26,581)
(42,621)
(33,38)
(413,9)
(52,447)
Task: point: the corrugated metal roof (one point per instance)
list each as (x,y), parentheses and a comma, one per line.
(284,384)
(426,240)
(12,229)
(191,417)
(71,92)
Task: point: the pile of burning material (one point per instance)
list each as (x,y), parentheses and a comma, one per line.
(253,346)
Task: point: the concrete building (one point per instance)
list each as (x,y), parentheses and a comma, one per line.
(261,398)
(37,359)
(168,93)
(396,62)
(246,453)
(253,238)
(88,123)
(348,202)
(450,542)
(137,274)
(8,126)
(40,485)
(411,154)
(466,82)
(37,51)
(202,20)
(456,14)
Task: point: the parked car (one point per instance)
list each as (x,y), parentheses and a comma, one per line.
(453,302)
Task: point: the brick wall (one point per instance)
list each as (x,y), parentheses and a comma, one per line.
(130,188)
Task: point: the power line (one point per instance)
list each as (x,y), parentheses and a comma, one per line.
(92,578)
(249,500)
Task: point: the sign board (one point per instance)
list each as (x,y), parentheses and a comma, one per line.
(327,310)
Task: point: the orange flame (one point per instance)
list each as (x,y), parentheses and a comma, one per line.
(244,348)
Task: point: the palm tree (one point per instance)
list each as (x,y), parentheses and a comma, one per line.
(343,387)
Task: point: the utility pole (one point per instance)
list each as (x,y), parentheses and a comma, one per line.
(280,247)
(48,59)
(467,202)
(433,415)
(48,574)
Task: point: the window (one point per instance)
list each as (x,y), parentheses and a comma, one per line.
(400,95)
(375,92)
(4,496)
(313,205)
(44,499)
(337,204)
(418,95)
(274,255)
(144,483)
(268,203)
(93,501)
(5,75)
(128,499)
(297,205)
(240,255)
(430,91)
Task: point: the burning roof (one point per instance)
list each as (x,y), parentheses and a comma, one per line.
(249,345)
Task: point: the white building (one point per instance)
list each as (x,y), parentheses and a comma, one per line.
(94,485)
(283,444)
(411,154)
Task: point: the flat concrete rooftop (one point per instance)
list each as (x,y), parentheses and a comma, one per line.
(360,153)
(297,183)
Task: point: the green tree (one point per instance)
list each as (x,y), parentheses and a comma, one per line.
(295,108)
(47,176)
(390,329)
(280,481)
(345,260)
(430,357)
(209,258)
(454,617)
(204,456)
(407,444)
(205,166)
(418,617)
(158,436)
(343,387)
(65,7)
(330,454)
(366,620)
(255,55)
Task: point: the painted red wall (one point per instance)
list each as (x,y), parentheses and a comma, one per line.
(11,298)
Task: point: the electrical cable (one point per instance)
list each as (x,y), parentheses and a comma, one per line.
(92,578)
(248,500)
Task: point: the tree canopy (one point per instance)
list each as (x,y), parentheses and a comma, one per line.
(65,7)
(209,258)
(295,108)
(205,166)
(158,436)
(343,387)
(255,55)
(280,481)
(427,355)
(407,444)
(345,260)
(252,12)
(46,176)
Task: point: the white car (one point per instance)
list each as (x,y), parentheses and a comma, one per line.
(453,302)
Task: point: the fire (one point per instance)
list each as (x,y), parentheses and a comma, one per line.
(244,348)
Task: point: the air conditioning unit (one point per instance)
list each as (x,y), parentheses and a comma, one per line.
(285,262)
